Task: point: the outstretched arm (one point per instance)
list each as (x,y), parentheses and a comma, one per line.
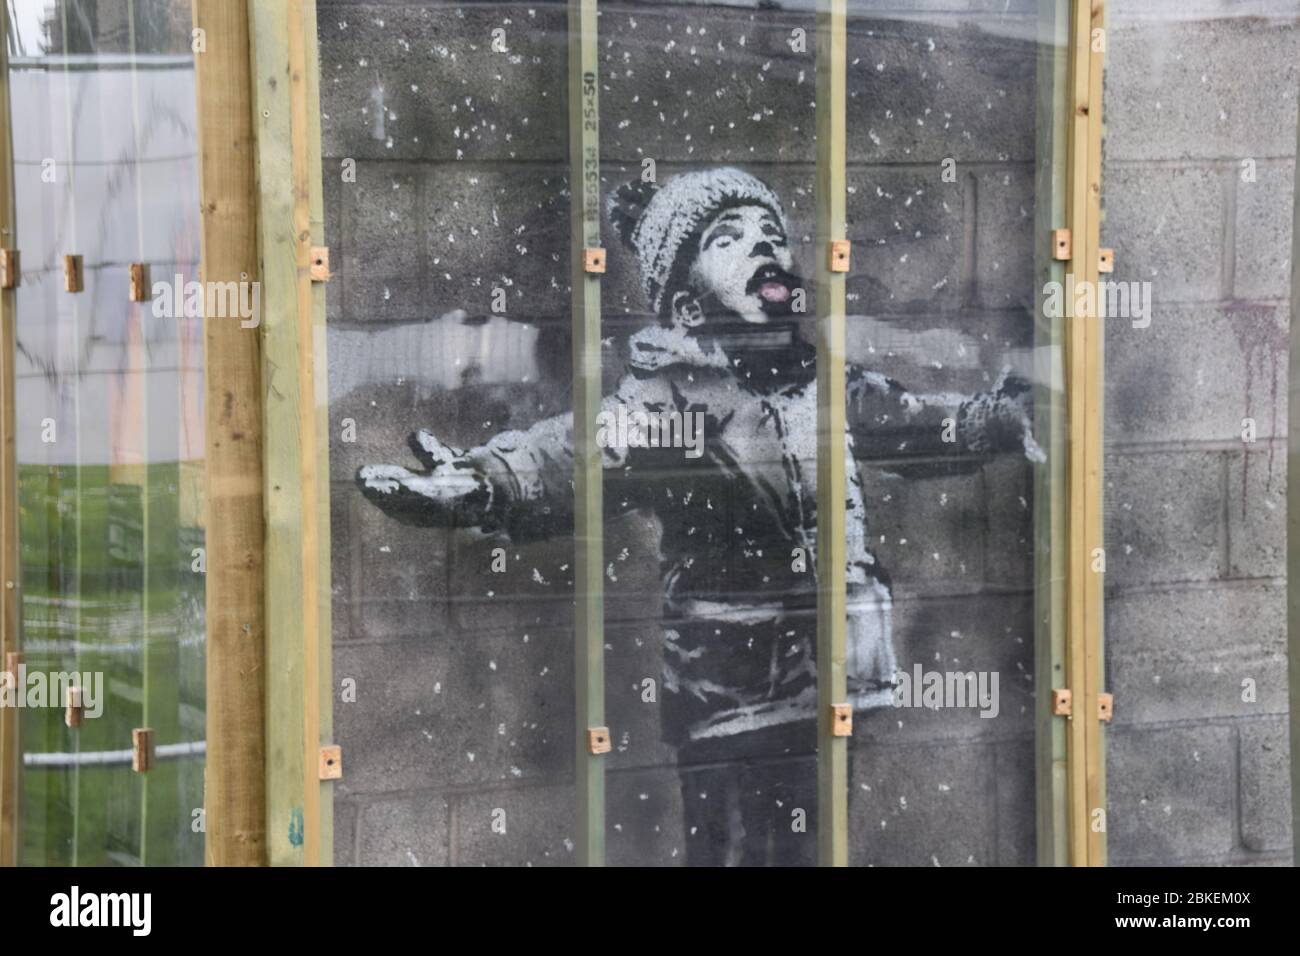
(520,481)
(888,421)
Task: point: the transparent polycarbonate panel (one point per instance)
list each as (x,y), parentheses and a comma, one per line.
(1197,189)
(950,164)
(446,171)
(707,136)
(109,408)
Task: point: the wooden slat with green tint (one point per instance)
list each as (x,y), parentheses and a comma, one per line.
(832,689)
(1095,673)
(311,145)
(1083,369)
(295,574)
(588,530)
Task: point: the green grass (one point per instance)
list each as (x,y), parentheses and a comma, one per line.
(107,586)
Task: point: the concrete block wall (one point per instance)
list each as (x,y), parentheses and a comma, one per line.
(464,677)
(1197,98)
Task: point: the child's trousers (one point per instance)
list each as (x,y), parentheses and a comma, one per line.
(751,799)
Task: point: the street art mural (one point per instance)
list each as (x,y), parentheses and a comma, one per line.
(712,429)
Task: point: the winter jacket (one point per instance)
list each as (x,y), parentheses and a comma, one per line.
(738,549)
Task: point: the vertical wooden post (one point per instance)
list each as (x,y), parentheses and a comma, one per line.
(10,616)
(1085,764)
(1094,675)
(588,529)
(322,709)
(296,577)
(234,783)
(1050,427)
(832,684)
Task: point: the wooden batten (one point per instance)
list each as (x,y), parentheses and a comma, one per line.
(1094,450)
(1085,758)
(588,262)
(143,749)
(74,278)
(289,225)
(831,193)
(234,784)
(138,273)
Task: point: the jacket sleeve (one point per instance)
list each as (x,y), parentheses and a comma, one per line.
(888,421)
(530,471)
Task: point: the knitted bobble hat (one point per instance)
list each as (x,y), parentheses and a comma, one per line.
(662,225)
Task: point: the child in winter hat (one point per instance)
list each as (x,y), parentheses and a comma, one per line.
(663,226)
(739,522)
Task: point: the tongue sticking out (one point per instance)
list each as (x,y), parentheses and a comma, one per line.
(774,292)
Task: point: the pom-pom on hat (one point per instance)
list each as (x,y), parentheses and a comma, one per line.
(662,224)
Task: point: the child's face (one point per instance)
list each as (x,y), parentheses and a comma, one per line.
(745,263)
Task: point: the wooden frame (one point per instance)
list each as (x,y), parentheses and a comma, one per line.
(1070,766)
(234,786)
(258,109)
(1084,357)
(1094,459)
(267,441)
(831,193)
(589,526)
(290,221)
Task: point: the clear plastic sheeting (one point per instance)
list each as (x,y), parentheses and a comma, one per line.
(1065,257)
(446,171)
(110,428)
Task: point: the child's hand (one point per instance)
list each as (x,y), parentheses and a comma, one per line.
(453,487)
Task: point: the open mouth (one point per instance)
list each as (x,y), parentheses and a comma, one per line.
(772,284)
